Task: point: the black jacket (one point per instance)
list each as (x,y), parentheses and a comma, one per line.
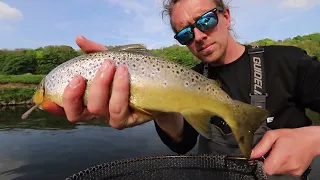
(293,84)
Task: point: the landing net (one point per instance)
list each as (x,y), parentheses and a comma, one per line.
(175,167)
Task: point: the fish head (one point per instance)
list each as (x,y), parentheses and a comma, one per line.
(37,98)
(39,93)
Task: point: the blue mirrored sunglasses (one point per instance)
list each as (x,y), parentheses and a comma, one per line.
(206,22)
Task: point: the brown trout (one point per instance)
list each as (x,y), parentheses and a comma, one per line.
(160,85)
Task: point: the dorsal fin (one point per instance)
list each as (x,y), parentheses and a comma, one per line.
(130,47)
(135,48)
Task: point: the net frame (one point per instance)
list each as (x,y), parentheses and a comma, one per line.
(189,166)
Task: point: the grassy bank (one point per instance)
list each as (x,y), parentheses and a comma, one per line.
(18,89)
(23,79)
(13,96)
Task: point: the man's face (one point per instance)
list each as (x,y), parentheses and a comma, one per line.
(207,46)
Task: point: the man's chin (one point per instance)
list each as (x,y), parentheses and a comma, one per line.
(213,59)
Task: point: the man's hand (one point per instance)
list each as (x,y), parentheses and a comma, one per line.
(292,150)
(115,110)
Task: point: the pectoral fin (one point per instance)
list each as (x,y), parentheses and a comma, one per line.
(199,120)
(140,115)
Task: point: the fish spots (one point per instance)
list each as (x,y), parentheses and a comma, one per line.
(208,87)
(165,83)
(241,139)
(186,83)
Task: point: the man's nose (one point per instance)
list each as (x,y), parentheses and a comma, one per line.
(198,35)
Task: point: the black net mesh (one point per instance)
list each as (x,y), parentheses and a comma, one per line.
(181,167)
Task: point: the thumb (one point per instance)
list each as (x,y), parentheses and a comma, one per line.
(89,46)
(265,144)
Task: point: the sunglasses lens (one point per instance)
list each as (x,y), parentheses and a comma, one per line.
(185,36)
(207,21)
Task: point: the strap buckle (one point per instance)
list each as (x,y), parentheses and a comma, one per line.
(255,50)
(259,99)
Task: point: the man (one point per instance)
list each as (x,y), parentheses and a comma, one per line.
(293,83)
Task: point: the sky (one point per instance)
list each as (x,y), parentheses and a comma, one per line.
(38,23)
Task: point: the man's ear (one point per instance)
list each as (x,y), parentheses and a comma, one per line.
(227,16)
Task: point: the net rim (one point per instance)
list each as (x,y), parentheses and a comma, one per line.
(252,163)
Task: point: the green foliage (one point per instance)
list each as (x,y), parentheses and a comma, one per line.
(51,56)
(25,79)
(178,54)
(266,42)
(18,61)
(35,61)
(44,59)
(310,43)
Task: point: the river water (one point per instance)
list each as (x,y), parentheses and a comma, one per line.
(47,147)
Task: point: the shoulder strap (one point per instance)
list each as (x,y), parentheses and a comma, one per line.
(258,80)
(205,69)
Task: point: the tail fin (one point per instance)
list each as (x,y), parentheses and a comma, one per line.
(243,119)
